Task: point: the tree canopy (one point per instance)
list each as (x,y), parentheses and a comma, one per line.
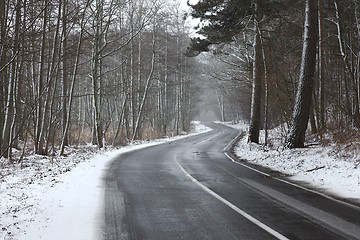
(222,20)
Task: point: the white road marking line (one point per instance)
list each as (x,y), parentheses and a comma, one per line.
(328,219)
(246,166)
(235,208)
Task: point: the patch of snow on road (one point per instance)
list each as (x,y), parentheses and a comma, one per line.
(60,198)
(326,167)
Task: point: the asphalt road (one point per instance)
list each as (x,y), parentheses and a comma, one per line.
(189,189)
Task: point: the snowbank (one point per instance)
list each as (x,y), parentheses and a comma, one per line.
(327,168)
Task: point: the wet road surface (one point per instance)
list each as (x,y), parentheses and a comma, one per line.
(189,189)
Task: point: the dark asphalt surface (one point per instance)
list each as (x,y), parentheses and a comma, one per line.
(189,189)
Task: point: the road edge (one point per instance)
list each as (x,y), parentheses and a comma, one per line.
(229,153)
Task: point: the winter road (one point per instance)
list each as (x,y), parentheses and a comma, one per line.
(189,189)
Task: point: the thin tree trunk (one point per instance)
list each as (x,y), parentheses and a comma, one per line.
(10,109)
(52,79)
(64,140)
(354,110)
(357,77)
(255,116)
(121,120)
(266,85)
(146,91)
(321,58)
(132,76)
(39,141)
(3,24)
(96,75)
(166,78)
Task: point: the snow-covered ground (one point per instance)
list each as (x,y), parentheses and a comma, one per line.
(59,198)
(333,168)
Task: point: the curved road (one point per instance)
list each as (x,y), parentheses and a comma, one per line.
(189,189)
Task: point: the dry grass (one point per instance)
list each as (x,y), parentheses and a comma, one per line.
(346,143)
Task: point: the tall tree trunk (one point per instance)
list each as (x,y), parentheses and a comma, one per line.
(302,107)
(266,109)
(321,70)
(54,54)
(178,88)
(3,24)
(39,141)
(353,108)
(96,75)
(266,91)
(146,91)
(255,116)
(357,76)
(16,66)
(132,99)
(64,140)
(166,79)
(10,108)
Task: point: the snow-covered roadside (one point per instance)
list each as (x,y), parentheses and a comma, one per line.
(330,168)
(59,200)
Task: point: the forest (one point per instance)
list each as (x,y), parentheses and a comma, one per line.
(284,64)
(97,72)
(111,72)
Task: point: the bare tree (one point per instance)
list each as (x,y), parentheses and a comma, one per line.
(68,105)
(117,54)
(146,89)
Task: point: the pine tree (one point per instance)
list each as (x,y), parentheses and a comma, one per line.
(223,21)
(301,112)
